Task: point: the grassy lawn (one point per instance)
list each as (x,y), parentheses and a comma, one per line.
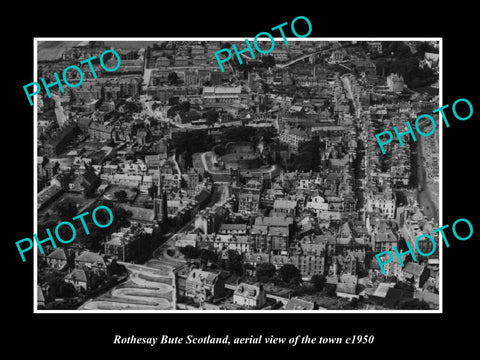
(112,189)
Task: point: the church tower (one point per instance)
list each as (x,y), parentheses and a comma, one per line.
(160,201)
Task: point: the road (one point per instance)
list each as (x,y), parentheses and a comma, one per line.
(151,286)
(347,86)
(148,288)
(219,196)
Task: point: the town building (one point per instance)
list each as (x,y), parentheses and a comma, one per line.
(204,286)
(252,296)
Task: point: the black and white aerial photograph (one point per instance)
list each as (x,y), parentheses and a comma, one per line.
(261,187)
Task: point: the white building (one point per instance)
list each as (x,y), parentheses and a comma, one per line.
(395,83)
(294,137)
(184,239)
(221,94)
(383,202)
(248,295)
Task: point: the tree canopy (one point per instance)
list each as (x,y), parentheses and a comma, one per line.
(308,157)
(189,252)
(172,78)
(121,195)
(412,304)
(212,117)
(234,263)
(318,281)
(399,59)
(268,60)
(289,273)
(206,256)
(239,133)
(66,209)
(265,271)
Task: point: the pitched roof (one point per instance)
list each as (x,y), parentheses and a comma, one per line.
(233,227)
(347,288)
(414,269)
(77,275)
(278,231)
(284,204)
(256,257)
(89,176)
(58,254)
(273,220)
(259,229)
(427,296)
(199,275)
(398,294)
(88,256)
(84,121)
(202,196)
(248,290)
(382,290)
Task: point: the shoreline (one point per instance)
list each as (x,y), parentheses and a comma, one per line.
(424,196)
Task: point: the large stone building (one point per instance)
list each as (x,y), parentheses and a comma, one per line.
(58,142)
(221,94)
(204,286)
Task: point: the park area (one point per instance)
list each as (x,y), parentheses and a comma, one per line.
(120,193)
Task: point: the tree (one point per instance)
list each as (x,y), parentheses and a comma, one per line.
(331,291)
(59,288)
(308,157)
(318,281)
(65,233)
(152,191)
(266,133)
(95,281)
(423,47)
(239,133)
(121,195)
(234,263)
(68,290)
(289,273)
(265,271)
(116,269)
(89,192)
(211,117)
(141,248)
(206,256)
(219,150)
(93,241)
(189,252)
(66,209)
(268,60)
(172,78)
(173,101)
(412,304)
(185,105)
(120,217)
